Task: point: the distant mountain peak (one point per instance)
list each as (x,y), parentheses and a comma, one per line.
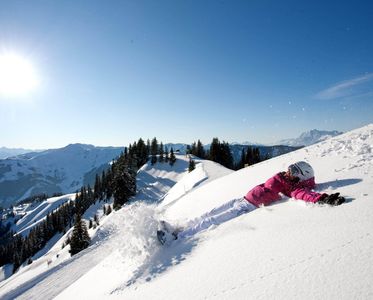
(79,146)
(10,152)
(310,137)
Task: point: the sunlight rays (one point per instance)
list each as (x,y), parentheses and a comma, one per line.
(17,75)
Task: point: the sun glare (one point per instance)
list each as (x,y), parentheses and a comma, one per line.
(17,76)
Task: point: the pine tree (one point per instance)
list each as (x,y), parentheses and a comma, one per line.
(249,156)
(167,157)
(241,164)
(80,238)
(161,153)
(256,155)
(193,148)
(124,180)
(16,262)
(200,150)
(220,153)
(192,165)
(109,182)
(108,210)
(98,188)
(172,157)
(214,150)
(226,158)
(148,147)
(95,218)
(142,153)
(104,184)
(154,151)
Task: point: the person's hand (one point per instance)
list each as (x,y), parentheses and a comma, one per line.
(332,199)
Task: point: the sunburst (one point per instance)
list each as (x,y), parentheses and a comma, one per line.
(17,75)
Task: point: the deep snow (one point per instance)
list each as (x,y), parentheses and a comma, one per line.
(287,250)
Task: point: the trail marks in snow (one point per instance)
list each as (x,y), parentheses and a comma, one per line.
(326,254)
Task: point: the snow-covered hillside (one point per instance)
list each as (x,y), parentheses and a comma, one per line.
(287,250)
(34,215)
(58,170)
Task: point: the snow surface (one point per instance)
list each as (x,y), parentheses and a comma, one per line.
(287,250)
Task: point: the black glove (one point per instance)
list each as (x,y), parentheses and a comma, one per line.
(332,199)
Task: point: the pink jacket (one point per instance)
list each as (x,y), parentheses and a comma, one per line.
(268,192)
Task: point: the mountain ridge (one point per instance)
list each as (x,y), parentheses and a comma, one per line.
(10,152)
(310,137)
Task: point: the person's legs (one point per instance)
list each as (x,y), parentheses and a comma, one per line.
(235,208)
(215,211)
(221,208)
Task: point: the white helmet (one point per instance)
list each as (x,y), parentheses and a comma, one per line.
(302,170)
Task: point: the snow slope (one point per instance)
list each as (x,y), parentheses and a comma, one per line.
(287,250)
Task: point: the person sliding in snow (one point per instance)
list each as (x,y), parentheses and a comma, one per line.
(297,182)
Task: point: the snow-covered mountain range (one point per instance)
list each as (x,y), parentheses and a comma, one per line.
(9,152)
(64,170)
(309,138)
(287,250)
(61,170)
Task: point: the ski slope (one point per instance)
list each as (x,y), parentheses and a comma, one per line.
(287,250)
(34,216)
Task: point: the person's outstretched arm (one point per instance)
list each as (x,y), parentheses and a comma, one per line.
(306,194)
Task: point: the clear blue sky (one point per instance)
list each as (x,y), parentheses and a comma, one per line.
(114,71)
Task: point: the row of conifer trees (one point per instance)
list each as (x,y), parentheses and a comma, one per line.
(220,152)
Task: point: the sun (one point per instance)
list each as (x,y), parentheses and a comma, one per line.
(17,76)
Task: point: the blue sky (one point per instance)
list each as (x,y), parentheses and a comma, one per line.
(113,71)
